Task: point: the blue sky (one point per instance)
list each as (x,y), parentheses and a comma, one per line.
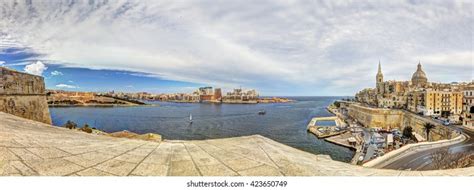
(299,47)
(83,79)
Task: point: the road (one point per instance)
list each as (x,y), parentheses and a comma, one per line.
(422,160)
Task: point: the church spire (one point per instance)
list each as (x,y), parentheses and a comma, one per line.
(379,80)
(380,69)
(379,72)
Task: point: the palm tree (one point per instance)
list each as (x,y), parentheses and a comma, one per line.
(428,127)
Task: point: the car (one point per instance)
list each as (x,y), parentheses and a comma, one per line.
(396,133)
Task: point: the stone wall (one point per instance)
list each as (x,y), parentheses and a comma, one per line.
(440,132)
(397,119)
(23,95)
(375,117)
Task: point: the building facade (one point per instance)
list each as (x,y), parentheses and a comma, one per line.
(468,106)
(417,95)
(444,103)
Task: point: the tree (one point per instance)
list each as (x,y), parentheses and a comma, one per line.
(70,125)
(444,159)
(408,132)
(428,127)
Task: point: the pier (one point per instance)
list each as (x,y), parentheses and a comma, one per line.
(351,141)
(338,134)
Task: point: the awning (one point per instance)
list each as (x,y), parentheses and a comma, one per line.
(389,139)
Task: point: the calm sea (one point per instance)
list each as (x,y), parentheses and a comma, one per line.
(285,123)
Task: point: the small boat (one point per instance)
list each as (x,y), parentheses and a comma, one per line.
(262,112)
(190,118)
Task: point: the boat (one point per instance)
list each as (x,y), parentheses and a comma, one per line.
(262,112)
(190,118)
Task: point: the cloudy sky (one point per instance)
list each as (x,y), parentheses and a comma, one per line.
(278,47)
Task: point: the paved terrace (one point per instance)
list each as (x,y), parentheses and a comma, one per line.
(29,148)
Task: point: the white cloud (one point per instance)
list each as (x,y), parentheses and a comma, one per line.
(2,63)
(263,44)
(36,68)
(66,86)
(56,73)
(70,81)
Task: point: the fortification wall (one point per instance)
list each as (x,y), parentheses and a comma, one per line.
(374,117)
(417,122)
(23,95)
(397,119)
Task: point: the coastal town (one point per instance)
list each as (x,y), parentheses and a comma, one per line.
(384,125)
(381,122)
(206,94)
(201,95)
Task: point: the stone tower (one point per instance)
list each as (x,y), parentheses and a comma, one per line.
(23,95)
(379,81)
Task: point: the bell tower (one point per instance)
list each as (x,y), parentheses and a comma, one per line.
(379,80)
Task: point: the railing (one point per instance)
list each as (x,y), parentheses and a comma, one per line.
(410,149)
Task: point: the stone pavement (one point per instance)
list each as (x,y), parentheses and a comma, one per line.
(29,148)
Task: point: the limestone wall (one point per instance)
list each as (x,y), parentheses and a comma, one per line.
(397,119)
(23,95)
(374,117)
(417,122)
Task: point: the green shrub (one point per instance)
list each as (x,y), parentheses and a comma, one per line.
(407,132)
(70,125)
(86,129)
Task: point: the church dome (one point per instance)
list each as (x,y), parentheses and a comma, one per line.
(419,77)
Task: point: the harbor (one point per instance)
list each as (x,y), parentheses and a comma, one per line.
(367,143)
(280,122)
(373,141)
(339,134)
